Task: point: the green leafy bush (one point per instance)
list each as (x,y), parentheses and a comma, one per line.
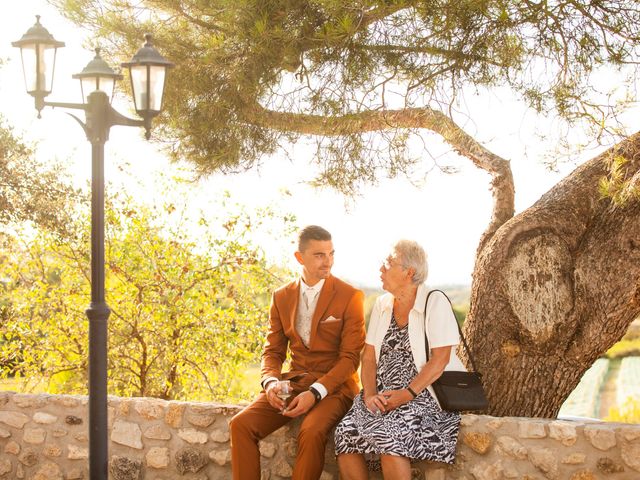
(627,412)
(188,301)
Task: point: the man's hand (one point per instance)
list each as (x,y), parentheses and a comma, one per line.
(300,405)
(272,396)
(395,398)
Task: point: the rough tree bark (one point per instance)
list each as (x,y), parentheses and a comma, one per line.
(555,287)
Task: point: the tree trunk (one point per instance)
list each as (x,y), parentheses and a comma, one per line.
(555,287)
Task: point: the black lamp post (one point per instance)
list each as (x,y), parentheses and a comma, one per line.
(148,71)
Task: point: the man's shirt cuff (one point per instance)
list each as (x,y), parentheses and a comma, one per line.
(267,381)
(320,388)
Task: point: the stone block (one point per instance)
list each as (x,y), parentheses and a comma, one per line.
(48,471)
(157,457)
(111,416)
(583,475)
(13,419)
(512,447)
(5,466)
(629,433)
(601,437)
(564,432)
(219,435)
(189,460)
(123,407)
(608,466)
(127,434)
(72,420)
(544,460)
(64,401)
(468,420)
(123,468)
(35,436)
(157,432)
(77,453)
(630,453)
(531,429)
(174,413)
(495,423)
(221,457)
(27,400)
(58,432)
(574,458)
(12,447)
(193,436)
(267,449)
(28,457)
(281,468)
(200,419)
(4,433)
(51,450)
(44,418)
(150,409)
(478,442)
(487,471)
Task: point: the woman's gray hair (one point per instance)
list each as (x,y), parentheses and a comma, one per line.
(412,255)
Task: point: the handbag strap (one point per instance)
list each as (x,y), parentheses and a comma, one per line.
(464,342)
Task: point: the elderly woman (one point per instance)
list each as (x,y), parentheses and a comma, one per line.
(396,418)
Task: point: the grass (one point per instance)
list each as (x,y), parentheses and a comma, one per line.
(23,385)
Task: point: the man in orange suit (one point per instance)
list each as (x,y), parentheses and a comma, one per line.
(320,320)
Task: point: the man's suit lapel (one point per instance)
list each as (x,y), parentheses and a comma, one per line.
(293,294)
(326,295)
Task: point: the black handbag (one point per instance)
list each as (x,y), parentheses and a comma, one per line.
(457,391)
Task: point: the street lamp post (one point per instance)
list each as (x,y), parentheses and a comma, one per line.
(148,69)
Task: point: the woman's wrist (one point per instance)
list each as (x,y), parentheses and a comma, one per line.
(411,391)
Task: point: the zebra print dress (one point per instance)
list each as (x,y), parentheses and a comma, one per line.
(418,430)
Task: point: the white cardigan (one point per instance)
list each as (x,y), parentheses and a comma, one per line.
(442,329)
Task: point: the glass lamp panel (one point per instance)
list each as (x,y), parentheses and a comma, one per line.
(48,60)
(156,75)
(93,84)
(106,85)
(29,67)
(38,62)
(140,87)
(88,85)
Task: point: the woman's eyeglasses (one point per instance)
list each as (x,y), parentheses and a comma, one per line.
(390,262)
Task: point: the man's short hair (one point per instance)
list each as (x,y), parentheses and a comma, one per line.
(311,232)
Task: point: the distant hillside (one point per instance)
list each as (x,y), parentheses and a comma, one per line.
(459,294)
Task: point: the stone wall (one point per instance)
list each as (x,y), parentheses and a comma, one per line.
(44,437)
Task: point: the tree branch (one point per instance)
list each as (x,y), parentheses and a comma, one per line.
(502,187)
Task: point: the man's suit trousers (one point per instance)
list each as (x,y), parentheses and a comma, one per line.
(260,419)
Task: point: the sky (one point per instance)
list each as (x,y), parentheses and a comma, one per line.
(447,213)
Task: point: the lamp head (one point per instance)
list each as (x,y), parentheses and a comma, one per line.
(38,52)
(148,71)
(97,75)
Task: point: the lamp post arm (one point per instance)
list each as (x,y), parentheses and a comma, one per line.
(116,118)
(74,106)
